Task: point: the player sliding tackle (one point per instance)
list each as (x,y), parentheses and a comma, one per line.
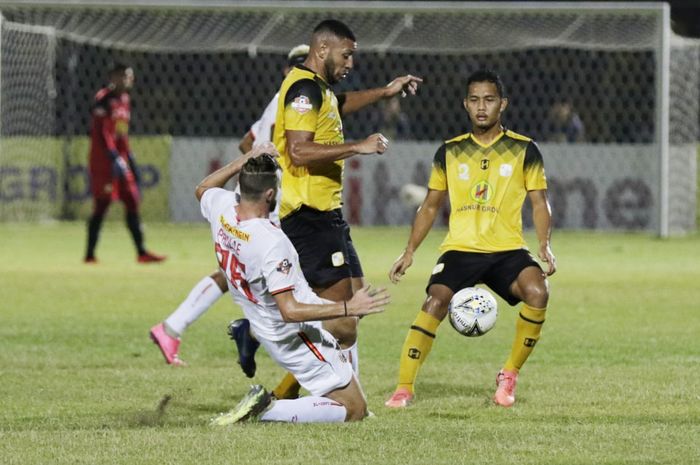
(263,270)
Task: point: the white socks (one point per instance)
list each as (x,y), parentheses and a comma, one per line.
(308,409)
(201,297)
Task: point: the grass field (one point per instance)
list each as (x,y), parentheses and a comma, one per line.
(613,380)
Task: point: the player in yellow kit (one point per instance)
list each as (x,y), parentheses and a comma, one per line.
(486,174)
(309,137)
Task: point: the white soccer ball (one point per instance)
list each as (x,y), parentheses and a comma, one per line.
(473,311)
(412,195)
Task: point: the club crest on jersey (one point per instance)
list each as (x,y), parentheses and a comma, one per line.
(506,170)
(302,104)
(481,192)
(284,266)
(338,259)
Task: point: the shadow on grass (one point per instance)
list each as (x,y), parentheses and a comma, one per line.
(443,390)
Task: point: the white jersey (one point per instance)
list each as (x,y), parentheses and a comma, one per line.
(261,131)
(259,261)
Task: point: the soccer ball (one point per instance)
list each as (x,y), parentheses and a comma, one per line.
(412,195)
(473,311)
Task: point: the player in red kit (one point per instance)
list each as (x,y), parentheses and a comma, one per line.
(113,173)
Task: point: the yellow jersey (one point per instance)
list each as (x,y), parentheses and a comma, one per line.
(487,185)
(307,103)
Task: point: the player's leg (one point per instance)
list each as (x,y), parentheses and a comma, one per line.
(320,239)
(529,285)
(99,210)
(246,344)
(352,352)
(128,193)
(344,329)
(313,355)
(315,358)
(203,295)
(419,342)
(343,404)
(453,271)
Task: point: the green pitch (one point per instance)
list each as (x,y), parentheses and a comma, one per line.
(614,379)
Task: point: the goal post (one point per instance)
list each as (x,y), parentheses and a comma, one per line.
(607,90)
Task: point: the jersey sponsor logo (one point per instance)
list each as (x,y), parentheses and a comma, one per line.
(473,207)
(484,164)
(302,104)
(506,170)
(244,236)
(481,192)
(338,259)
(121,127)
(328,403)
(284,266)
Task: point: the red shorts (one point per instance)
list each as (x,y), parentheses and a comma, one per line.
(106,186)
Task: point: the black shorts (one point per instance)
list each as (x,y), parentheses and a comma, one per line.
(497,270)
(323,242)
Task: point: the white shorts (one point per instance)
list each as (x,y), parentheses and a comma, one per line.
(313,356)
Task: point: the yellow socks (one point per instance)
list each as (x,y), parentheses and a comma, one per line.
(288,388)
(527,333)
(416,348)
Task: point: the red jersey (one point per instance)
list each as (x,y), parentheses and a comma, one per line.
(109,130)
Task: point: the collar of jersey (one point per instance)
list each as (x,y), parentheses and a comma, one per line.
(304,68)
(476,141)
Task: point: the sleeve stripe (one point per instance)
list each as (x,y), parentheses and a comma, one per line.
(279,291)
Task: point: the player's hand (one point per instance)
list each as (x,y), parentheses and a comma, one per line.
(398,269)
(120,168)
(376,143)
(266,147)
(367,301)
(546,255)
(403,85)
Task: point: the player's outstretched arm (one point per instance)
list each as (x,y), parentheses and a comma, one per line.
(542,218)
(356,100)
(365,301)
(221,176)
(303,151)
(425,217)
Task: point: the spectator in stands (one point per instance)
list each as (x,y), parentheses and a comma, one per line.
(392,121)
(563,123)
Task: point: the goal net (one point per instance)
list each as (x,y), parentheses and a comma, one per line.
(609,93)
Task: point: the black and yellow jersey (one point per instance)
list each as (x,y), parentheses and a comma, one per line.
(487,185)
(307,103)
